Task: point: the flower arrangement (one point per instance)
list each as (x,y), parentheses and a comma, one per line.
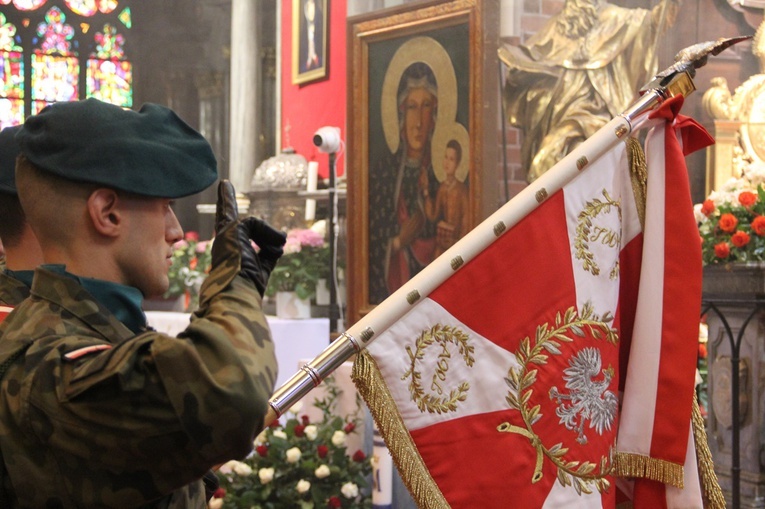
(305,261)
(190,265)
(299,464)
(732,220)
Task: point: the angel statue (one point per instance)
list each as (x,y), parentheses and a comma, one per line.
(584,67)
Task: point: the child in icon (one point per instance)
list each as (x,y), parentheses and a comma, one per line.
(450,209)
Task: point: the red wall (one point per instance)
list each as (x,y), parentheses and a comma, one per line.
(309,106)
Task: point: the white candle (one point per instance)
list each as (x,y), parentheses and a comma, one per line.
(313,177)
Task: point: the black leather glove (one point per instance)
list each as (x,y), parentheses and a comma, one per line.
(233,236)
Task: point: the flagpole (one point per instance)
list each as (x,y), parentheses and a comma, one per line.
(363,332)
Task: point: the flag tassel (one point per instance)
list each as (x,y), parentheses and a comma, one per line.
(418,481)
(711,488)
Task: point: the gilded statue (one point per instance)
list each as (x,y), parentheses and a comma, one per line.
(584,67)
(745,108)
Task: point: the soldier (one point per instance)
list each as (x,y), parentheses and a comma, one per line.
(22,252)
(96,409)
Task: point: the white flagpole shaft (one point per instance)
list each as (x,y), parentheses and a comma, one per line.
(359,335)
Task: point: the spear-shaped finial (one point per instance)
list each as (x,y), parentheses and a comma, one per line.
(691,58)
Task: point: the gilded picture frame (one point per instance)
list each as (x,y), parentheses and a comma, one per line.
(310,30)
(412,65)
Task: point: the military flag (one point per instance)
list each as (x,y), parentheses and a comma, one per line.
(502,386)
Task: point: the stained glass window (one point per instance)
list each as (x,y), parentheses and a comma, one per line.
(11,76)
(71,51)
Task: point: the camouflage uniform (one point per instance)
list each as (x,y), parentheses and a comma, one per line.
(12,291)
(95,416)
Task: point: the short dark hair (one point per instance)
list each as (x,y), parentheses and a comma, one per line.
(14,220)
(454,144)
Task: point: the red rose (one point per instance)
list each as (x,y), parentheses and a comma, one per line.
(740,239)
(707,207)
(262,450)
(220,493)
(703,350)
(299,430)
(758,225)
(349,427)
(322,450)
(334,502)
(747,198)
(275,424)
(722,250)
(306,420)
(191,236)
(728,223)
(359,456)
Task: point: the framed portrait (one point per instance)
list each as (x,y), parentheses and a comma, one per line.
(309,40)
(415,129)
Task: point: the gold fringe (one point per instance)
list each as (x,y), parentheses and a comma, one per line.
(711,491)
(638,175)
(627,464)
(370,384)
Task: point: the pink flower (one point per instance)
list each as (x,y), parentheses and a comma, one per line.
(181,244)
(191,236)
(202,246)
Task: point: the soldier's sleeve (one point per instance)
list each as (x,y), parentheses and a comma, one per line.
(170,407)
(220,372)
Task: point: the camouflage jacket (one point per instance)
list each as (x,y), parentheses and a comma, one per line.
(93,415)
(12,291)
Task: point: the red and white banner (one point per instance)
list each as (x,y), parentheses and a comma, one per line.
(503,385)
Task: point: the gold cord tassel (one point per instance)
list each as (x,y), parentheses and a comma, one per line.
(711,491)
(638,175)
(370,384)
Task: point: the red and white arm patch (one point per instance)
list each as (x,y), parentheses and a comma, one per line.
(4,311)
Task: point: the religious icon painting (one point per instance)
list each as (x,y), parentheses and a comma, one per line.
(413,155)
(309,40)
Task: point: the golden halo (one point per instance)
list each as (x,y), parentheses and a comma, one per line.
(441,137)
(428,51)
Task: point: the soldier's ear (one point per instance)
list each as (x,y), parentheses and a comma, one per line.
(104,212)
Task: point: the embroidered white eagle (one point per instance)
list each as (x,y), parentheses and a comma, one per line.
(590,399)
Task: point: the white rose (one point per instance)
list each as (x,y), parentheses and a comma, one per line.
(698,214)
(295,409)
(261,438)
(703,333)
(311,432)
(215,503)
(338,438)
(242,469)
(303,486)
(280,434)
(227,467)
(322,472)
(350,490)
(266,475)
(293,455)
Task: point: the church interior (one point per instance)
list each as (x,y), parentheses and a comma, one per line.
(307,105)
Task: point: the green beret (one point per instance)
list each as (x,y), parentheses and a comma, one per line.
(9,149)
(151,152)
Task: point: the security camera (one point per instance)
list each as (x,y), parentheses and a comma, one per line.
(327,139)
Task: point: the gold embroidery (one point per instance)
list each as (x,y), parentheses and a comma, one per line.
(441,335)
(581,475)
(620,131)
(586,232)
(581,163)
